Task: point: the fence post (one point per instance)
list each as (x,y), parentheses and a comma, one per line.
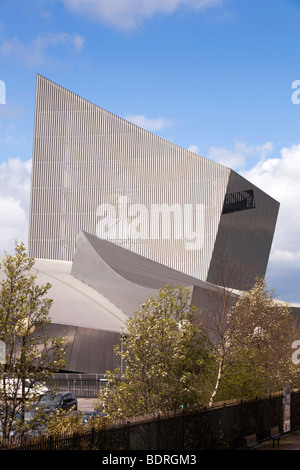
(128,430)
(183,428)
(92,438)
(158,433)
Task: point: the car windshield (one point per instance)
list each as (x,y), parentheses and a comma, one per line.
(50,400)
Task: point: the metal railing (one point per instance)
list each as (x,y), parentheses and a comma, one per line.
(83,385)
(221,427)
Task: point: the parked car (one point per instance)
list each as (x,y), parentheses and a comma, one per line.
(58,401)
(15,388)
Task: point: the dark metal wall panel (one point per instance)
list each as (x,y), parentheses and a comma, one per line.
(89,351)
(245,236)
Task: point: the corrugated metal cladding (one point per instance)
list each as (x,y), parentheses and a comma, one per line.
(85,157)
(125,278)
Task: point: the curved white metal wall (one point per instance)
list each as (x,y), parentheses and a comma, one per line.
(84,157)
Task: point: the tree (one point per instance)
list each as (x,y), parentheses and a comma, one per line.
(262,333)
(259,336)
(216,316)
(61,422)
(30,354)
(163,359)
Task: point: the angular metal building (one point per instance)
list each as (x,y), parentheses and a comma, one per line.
(117,212)
(95,294)
(94,171)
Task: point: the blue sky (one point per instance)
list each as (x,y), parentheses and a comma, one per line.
(214,76)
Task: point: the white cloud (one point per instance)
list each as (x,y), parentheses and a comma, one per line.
(279,177)
(151,124)
(15,176)
(237,157)
(193,148)
(13,223)
(36,52)
(129,14)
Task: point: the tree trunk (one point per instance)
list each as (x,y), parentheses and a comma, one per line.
(215,391)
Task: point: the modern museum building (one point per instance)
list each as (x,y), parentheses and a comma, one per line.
(116,213)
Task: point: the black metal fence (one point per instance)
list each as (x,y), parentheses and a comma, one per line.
(218,428)
(83,385)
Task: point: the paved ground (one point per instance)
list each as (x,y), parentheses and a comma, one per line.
(86,404)
(291,441)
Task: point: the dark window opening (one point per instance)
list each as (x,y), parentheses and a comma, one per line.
(239,201)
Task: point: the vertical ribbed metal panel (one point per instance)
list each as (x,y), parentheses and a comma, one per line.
(84,156)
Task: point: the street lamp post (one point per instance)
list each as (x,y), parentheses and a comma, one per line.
(122,364)
(23,330)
